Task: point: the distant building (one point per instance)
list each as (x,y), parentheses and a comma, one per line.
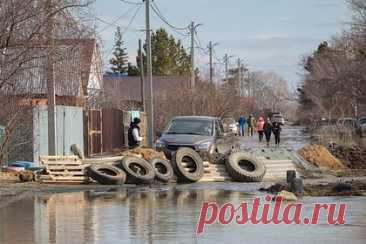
(125,92)
(77,72)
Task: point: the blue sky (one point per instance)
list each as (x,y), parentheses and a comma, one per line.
(267,34)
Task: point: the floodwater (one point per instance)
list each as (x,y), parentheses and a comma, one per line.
(162,215)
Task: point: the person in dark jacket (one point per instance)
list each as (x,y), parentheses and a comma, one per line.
(134,134)
(276,128)
(267,128)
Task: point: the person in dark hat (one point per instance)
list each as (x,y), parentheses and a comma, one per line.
(134,134)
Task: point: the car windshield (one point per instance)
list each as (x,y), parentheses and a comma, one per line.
(190,127)
(363,121)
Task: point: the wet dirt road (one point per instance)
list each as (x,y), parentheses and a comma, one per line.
(292,137)
(162,215)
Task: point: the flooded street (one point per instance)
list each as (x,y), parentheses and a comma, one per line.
(162,215)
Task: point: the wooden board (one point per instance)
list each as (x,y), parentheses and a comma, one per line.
(64,169)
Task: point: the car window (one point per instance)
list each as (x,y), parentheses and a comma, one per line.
(190,127)
(363,121)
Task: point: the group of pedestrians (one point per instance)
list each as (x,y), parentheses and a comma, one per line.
(265,128)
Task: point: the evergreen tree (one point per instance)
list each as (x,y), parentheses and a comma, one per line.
(120,58)
(169,57)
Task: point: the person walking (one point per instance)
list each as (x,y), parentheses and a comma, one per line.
(242,121)
(251,123)
(260,128)
(134,134)
(267,129)
(276,128)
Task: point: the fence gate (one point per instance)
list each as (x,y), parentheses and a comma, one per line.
(94,138)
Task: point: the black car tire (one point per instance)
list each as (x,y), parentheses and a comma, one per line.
(106,174)
(243,167)
(163,169)
(187,165)
(138,170)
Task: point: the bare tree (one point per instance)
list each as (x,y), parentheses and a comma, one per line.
(23,52)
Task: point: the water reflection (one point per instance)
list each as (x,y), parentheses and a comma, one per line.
(154,216)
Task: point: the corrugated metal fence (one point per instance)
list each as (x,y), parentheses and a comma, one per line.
(69,124)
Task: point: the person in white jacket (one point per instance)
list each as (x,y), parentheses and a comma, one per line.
(134,134)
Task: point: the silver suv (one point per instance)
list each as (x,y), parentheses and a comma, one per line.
(200,133)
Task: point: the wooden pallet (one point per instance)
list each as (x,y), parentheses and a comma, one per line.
(64,169)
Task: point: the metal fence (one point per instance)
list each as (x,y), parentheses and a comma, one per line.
(69,130)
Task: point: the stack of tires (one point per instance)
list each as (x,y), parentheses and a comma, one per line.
(186,164)
(132,170)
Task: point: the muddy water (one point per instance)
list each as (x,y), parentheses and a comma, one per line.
(295,137)
(160,216)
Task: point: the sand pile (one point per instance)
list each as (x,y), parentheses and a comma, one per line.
(354,157)
(321,157)
(146,153)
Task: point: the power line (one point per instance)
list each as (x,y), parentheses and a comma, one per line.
(130,2)
(113,23)
(126,28)
(216,58)
(199,44)
(161,16)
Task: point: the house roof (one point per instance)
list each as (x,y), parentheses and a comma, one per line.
(72,67)
(128,88)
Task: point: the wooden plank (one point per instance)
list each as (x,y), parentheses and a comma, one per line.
(68,174)
(74,178)
(102,160)
(63,167)
(62,162)
(59,157)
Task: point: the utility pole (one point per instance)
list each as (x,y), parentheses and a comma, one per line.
(210,47)
(149,84)
(193,28)
(51,106)
(239,77)
(226,61)
(142,76)
(192,55)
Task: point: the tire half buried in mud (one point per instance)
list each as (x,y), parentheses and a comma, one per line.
(243,167)
(163,169)
(107,174)
(187,165)
(138,170)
